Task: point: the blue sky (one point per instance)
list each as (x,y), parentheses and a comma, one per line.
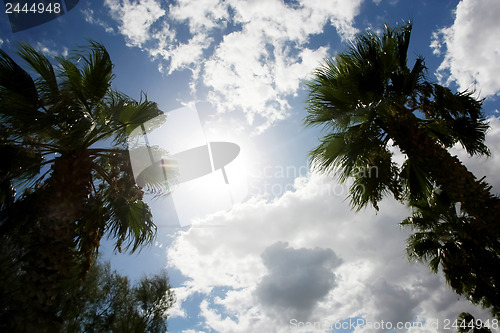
(292,249)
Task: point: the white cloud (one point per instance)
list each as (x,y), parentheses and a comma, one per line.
(250,54)
(135,18)
(472,48)
(91,18)
(46,50)
(256,68)
(485,166)
(50,49)
(262,249)
(201,15)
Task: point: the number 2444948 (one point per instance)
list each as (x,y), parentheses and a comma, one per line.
(39,8)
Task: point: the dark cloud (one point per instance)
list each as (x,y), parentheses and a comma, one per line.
(297,279)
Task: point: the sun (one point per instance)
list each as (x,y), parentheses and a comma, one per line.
(208,163)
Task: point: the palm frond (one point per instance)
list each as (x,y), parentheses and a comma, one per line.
(71,79)
(158,179)
(19,100)
(127,115)
(416,180)
(47,82)
(455,117)
(131,224)
(16,80)
(96,72)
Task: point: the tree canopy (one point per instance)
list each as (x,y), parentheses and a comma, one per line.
(367,99)
(66,179)
(107,302)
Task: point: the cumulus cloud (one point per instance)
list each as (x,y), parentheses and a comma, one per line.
(135,18)
(201,15)
(485,166)
(297,279)
(374,280)
(251,55)
(305,256)
(471,49)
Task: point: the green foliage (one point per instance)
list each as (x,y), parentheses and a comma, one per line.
(447,238)
(66,178)
(367,99)
(71,108)
(106,302)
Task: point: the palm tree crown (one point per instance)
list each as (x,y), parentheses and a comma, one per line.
(64,146)
(71,114)
(368,98)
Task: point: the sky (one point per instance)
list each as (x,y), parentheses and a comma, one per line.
(287,254)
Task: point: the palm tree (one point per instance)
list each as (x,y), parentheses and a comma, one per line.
(64,145)
(368,98)
(443,237)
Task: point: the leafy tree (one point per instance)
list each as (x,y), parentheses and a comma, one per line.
(106,302)
(368,99)
(65,178)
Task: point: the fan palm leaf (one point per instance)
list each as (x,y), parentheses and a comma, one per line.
(64,131)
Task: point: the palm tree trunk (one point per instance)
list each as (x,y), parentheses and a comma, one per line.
(51,257)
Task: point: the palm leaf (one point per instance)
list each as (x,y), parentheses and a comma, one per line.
(417,183)
(97,71)
(47,82)
(131,225)
(18,98)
